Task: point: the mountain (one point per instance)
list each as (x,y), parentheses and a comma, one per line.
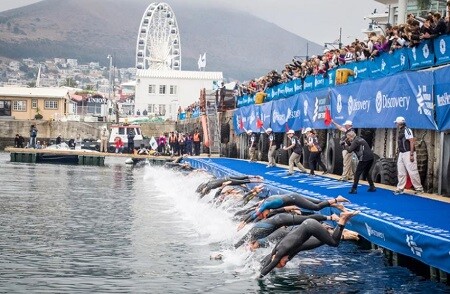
(239,44)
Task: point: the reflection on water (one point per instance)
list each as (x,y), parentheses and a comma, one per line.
(83,229)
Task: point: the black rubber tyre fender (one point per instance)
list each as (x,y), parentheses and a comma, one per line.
(283,156)
(368,135)
(225,133)
(305,157)
(322,138)
(422,161)
(334,157)
(263,147)
(233,150)
(385,171)
(355,163)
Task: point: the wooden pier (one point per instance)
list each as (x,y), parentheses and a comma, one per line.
(80,157)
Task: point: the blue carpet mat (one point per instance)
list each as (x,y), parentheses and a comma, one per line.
(407,224)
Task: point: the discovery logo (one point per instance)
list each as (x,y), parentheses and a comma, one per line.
(383,101)
(371,232)
(339,103)
(355,105)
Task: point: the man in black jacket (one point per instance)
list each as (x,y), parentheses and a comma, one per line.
(365,156)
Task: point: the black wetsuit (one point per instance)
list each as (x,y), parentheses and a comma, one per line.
(276,236)
(205,188)
(265,227)
(301,239)
(285,200)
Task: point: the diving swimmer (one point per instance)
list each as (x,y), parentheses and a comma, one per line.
(291,199)
(310,234)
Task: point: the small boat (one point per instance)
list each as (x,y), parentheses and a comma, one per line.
(69,156)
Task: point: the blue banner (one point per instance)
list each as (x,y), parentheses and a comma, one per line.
(182,116)
(320,82)
(298,85)
(263,115)
(280,115)
(237,121)
(331,76)
(308,83)
(348,103)
(314,105)
(376,103)
(361,69)
(421,56)
(397,61)
(405,94)
(442,49)
(377,68)
(442,94)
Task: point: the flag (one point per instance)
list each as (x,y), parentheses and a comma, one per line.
(327,118)
(259,123)
(241,124)
(153,143)
(204,60)
(201,61)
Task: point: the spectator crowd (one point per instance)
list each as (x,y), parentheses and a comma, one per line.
(409,34)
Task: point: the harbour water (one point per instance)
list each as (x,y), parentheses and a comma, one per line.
(124,229)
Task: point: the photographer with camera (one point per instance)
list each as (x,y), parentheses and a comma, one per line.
(347,173)
(358,145)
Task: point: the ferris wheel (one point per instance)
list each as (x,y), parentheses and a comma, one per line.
(158,43)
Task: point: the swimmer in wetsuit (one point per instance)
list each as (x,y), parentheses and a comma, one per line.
(205,188)
(267,226)
(280,233)
(291,199)
(310,234)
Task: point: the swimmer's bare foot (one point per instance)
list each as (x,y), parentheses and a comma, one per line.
(346,215)
(334,217)
(341,199)
(350,235)
(338,206)
(241,225)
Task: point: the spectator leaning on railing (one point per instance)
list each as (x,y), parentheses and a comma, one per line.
(409,34)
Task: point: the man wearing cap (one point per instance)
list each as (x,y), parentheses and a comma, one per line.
(251,146)
(296,151)
(347,172)
(272,147)
(407,158)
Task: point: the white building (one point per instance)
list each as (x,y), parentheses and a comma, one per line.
(162,91)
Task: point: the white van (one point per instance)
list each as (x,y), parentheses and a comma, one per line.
(122,132)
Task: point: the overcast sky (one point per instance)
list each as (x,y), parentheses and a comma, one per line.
(315,20)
